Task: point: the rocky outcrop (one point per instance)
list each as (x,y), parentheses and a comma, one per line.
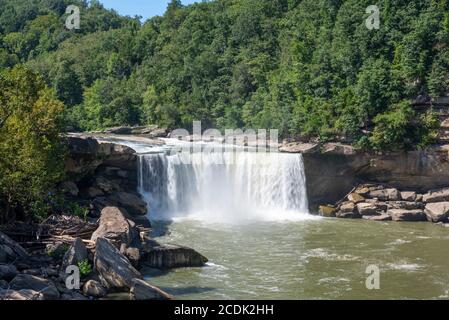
(437,212)
(37,284)
(172,256)
(406,215)
(10,250)
(114,269)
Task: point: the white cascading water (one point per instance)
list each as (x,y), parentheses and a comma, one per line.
(253,186)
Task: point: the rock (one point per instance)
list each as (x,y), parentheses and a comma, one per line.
(440,195)
(371,208)
(347,207)
(115,227)
(348,215)
(69,188)
(437,212)
(118,130)
(363,191)
(407,215)
(386,194)
(133,254)
(114,269)
(419,198)
(4,284)
(408,195)
(172,256)
(356,198)
(327,211)
(10,250)
(338,149)
(73,296)
(382,217)
(24,294)
(92,192)
(133,204)
(142,290)
(157,133)
(106,185)
(44,286)
(7,271)
(407,205)
(76,254)
(300,147)
(56,250)
(94,289)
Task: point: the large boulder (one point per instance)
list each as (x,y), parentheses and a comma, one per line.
(94,289)
(113,268)
(437,212)
(390,194)
(7,271)
(406,215)
(371,208)
(76,254)
(440,195)
(44,286)
(327,211)
(382,217)
(356,198)
(133,204)
(142,290)
(172,256)
(24,294)
(407,205)
(347,207)
(408,195)
(115,227)
(10,250)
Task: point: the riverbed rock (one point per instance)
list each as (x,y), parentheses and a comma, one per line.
(10,250)
(172,256)
(94,289)
(348,215)
(406,215)
(338,149)
(73,296)
(437,212)
(44,286)
(142,290)
(356,198)
(440,195)
(347,207)
(7,271)
(76,254)
(408,195)
(327,211)
(382,217)
(407,205)
(115,227)
(132,202)
(371,208)
(106,185)
(24,294)
(114,269)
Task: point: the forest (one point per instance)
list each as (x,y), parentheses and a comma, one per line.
(309,68)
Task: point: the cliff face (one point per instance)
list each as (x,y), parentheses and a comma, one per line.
(330,176)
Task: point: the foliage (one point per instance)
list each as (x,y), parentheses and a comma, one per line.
(85,268)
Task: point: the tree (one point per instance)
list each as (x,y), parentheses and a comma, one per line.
(32,154)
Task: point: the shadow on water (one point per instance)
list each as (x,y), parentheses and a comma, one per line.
(160,228)
(187,290)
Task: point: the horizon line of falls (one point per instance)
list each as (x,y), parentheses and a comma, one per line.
(224,187)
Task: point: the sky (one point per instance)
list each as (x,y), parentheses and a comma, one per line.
(144,8)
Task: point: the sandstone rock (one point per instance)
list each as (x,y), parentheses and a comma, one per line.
(440,195)
(69,188)
(300,147)
(7,271)
(76,254)
(94,289)
(106,185)
(371,209)
(386,194)
(363,191)
(118,130)
(437,212)
(407,205)
(24,294)
(44,286)
(327,211)
(348,215)
(419,198)
(382,217)
(337,148)
(133,204)
(115,227)
(133,254)
(172,256)
(356,198)
(142,290)
(408,195)
(10,250)
(347,207)
(114,269)
(157,133)
(407,215)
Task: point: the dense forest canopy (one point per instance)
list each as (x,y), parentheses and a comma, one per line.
(305,67)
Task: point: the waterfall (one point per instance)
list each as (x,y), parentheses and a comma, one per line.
(254,186)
